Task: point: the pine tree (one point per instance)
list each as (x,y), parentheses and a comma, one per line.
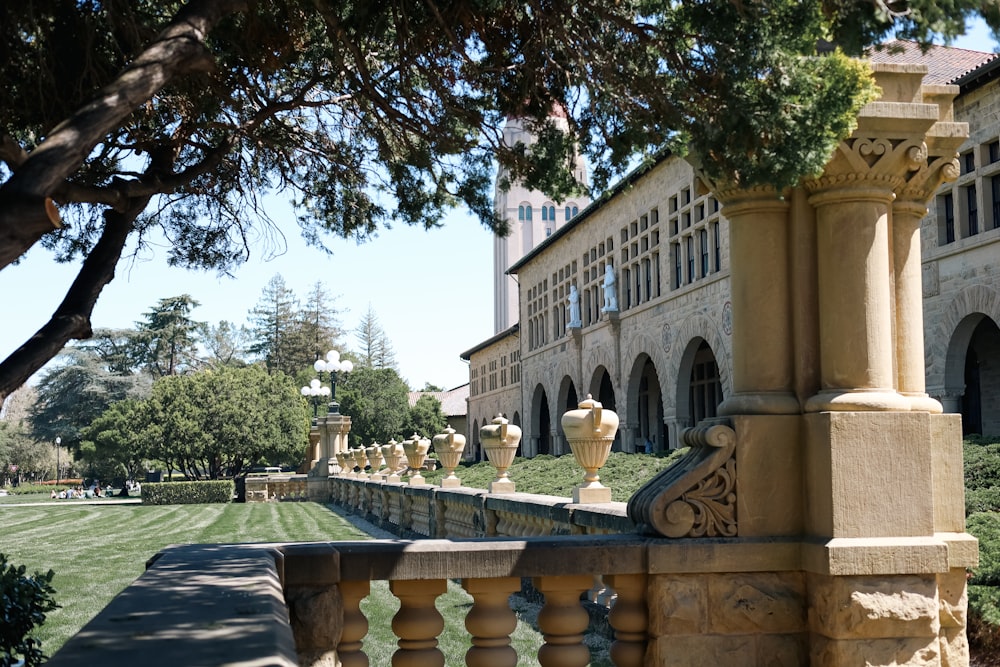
(272,326)
(375,347)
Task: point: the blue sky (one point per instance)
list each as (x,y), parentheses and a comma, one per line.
(432,291)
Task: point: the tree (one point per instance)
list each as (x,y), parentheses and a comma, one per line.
(73,394)
(368,113)
(167,336)
(220,422)
(224,343)
(375,349)
(114,445)
(425,417)
(275,334)
(376,400)
(319,321)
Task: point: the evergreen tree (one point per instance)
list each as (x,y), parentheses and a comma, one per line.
(274,329)
(375,349)
(167,336)
(320,321)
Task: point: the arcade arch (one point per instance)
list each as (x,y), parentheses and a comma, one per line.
(699,384)
(644,411)
(972,373)
(541,425)
(602,389)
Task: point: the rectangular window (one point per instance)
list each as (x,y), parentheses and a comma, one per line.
(689,243)
(970,198)
(639,298)
(949,218)
(677,264)
(968,162)
(994,151)
(656,274)
(717,245)
(627,281)
(995,191)
(647,276)
(703,241)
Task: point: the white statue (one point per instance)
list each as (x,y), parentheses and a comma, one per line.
(610,297)
(574,308)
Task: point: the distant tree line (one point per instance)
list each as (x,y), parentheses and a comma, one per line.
(201,399)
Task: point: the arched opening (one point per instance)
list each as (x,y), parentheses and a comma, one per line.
(567,400)
(541,425)
(516,420)
(476,453)
(978,361)
(647,410)
(602,389)
(699,386)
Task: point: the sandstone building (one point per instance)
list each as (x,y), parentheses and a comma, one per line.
(662,359)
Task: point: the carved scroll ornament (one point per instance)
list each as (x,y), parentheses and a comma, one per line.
(695,497)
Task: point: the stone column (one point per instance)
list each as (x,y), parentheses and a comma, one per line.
(941,146)
(762,352)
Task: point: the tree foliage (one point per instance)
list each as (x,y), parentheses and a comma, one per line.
(376,400)
(122,120)
(24,602)
(74,393)
(168,335)
(425,417)
(374,347)
(286,336)
(220,422)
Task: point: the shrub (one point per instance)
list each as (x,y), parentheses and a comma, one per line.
(188,493)
(982,500)
(24,601)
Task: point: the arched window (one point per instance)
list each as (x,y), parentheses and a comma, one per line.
(552,213)
(545,214)
(520,212)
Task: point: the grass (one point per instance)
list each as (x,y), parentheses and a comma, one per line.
(97,550)
(559,475)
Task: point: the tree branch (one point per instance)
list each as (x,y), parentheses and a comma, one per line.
(178,50)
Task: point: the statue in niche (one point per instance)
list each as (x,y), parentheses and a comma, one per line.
(574,308)
(610,297)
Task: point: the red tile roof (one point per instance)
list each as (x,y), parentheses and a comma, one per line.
(945,64)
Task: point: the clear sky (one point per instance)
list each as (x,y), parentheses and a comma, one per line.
(432,291)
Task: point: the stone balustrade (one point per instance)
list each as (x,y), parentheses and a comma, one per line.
(264,488)
(322,586)
(462,512)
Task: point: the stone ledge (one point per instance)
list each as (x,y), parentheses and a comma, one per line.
(206,605)
(876,556)
(706,555)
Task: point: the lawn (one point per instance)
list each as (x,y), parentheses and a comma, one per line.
(97,550)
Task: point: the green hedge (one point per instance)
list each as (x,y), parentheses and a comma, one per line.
(187,493)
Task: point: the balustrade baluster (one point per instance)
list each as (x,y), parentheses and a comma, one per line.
(563,621)
(355,624)
(630,618)
(490,622)
(418,623)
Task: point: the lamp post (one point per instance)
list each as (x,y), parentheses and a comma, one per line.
(332,364)
(58,442)
(314,391)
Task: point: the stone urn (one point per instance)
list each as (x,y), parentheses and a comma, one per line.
(374,454)
(346,463)
(392,453)
(416,451)
(361,461)
(448,446)
(590,431)
(500,440)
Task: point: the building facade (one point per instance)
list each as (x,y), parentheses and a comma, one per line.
(659,245)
